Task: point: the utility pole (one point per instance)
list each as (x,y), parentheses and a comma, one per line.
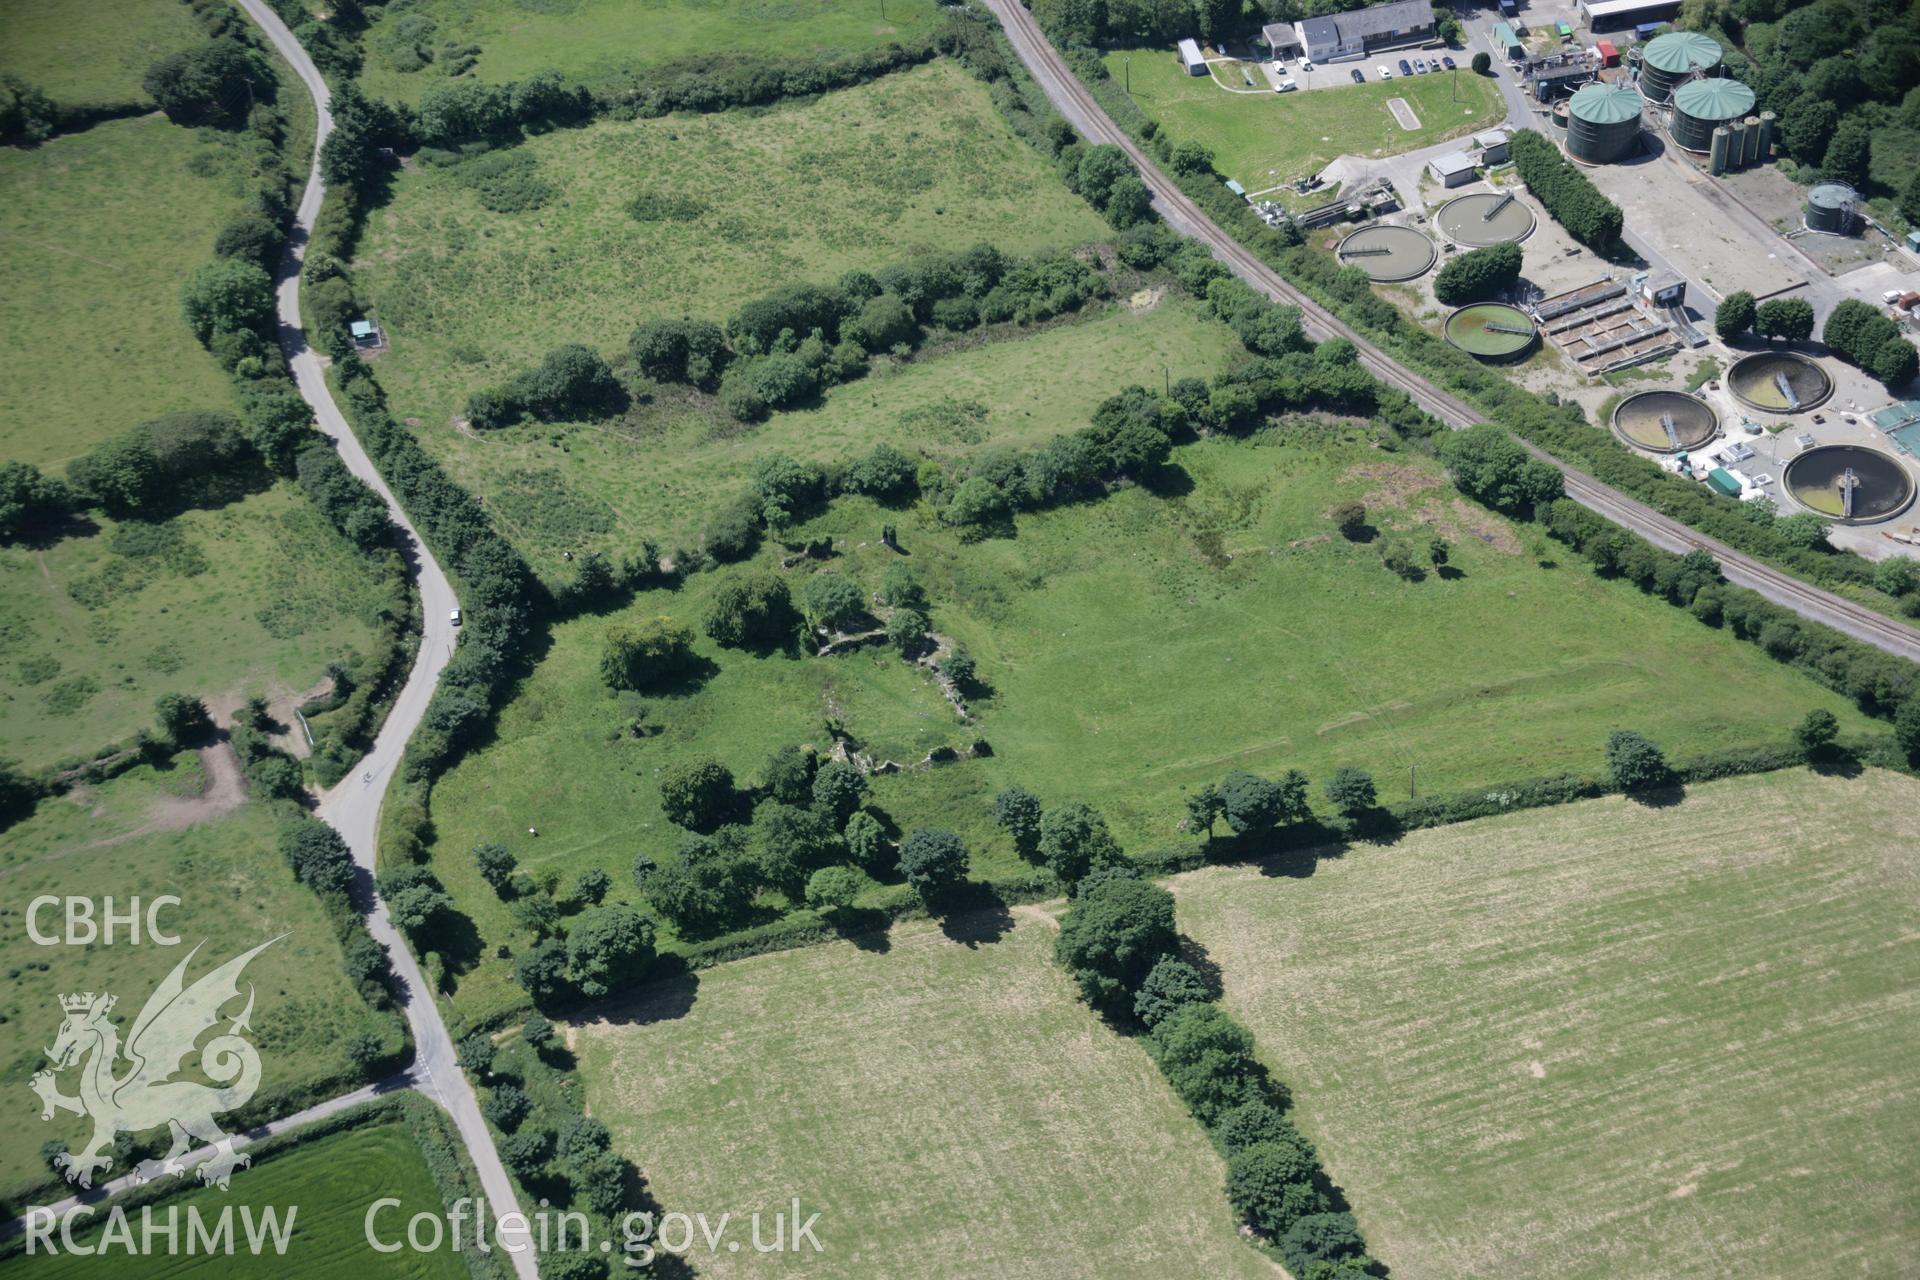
(1126,64)
(1413,787)
(1166,377)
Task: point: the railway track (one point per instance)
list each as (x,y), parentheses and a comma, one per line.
(1078,105)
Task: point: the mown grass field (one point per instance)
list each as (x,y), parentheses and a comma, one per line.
(947,1105)
(1264,139)
(590,39)
(1136,648)
(253,598)
(326,1185)
(1605,1040)
(100,230)
(658,472)
(92,54)
(911,163)
(152,832)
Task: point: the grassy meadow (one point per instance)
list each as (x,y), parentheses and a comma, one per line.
(1604,1040)
(944,1102)
(101,229)
(592,39)
(658,471)
(326,1186)
(173,829)
(911,163)
(256,597)
(1264,139)
(92,54)
(1136,648)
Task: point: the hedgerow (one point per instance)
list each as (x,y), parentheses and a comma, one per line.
(1574,202)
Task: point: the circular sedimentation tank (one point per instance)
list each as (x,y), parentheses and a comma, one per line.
(1672,59)
(1603,122)
(1779,382)
(1484,218)
(1490,330)
(1387,253)
(1560,114)
(1830,207)
(1849,483)
(1701,106)
(1665,421)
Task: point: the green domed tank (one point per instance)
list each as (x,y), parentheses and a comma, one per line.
(1672,59)
(1701,106)
(1603,122)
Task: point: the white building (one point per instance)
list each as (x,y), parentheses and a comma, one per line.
(1343,37)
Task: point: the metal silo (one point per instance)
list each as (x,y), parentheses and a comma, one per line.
(1603,122)
(1701,106)
(1830,207)
(1720,148)
(1736,143)
(1674,57)
(1766,136)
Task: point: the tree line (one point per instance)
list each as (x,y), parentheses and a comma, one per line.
(1565,192)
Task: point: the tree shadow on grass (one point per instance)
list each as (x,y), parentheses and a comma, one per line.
(664,998)
(865,927)
(1836,762)
(1447,573)
(974,914)
(1665,796)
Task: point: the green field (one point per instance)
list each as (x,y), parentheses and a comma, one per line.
(100,229)
(92,54)
(326,1185)
(1605,1040)
(1137,647)
(592,39)
(1264,139)
(914,162)
(659,471)
(947,1105)
(256,597)
(147,833)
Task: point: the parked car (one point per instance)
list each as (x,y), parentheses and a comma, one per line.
(1420,66)
(1285,86)
(454,617)
(1447,61)
(1279,66)
(1405,70)
(1359,76)
(1384,73)
(1306,64)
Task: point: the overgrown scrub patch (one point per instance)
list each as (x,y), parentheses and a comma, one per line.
(917,161)
(254,597)
(609,43)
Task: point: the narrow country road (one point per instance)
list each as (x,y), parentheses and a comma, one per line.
(1186,217)
(241,1141)
(353,807)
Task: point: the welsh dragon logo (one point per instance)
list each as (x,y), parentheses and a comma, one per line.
(146,1093)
